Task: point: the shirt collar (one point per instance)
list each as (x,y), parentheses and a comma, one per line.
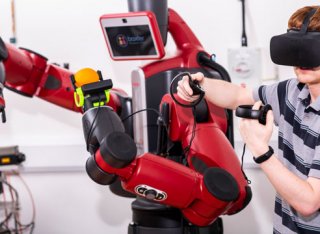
(305,99)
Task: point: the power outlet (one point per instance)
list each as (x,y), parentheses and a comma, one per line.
(244,66)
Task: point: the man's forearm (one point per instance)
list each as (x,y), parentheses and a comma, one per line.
(300,194)
(225,94)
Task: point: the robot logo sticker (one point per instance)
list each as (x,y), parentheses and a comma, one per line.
(122,40)
(150,192)
(136,39)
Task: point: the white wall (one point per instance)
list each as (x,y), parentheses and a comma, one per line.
(69,31)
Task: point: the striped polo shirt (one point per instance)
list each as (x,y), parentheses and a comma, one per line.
(298,142)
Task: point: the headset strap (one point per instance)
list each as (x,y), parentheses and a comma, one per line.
(306,21)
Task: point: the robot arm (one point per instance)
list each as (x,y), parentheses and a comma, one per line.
(201,196)
(29,73)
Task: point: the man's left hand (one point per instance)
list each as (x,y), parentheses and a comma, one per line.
(256,135)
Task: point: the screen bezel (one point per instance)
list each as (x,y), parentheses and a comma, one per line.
(134,19)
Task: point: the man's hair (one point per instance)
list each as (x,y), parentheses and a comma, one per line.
(297,18)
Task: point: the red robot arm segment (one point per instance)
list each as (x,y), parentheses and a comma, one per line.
(201,197)
(210,147)
(29,73)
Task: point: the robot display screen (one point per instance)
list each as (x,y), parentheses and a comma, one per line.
(131,41)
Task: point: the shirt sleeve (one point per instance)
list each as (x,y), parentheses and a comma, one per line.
(274,95)
(268,95)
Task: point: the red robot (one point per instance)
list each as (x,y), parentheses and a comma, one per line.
(190,175)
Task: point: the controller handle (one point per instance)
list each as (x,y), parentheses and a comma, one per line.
(194,85)
(245,111)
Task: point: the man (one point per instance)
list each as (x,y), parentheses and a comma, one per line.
(295,170)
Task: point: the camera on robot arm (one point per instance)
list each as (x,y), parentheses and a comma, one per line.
(92,94)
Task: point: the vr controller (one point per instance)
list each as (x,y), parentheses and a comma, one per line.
(245,111)
(194,85)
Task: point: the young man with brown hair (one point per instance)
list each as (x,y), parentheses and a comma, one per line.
(295,170)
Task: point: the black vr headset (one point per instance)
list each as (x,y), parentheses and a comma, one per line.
(299,48)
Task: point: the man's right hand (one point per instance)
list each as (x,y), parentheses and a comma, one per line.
(184,90)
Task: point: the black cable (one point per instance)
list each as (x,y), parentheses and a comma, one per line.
(192,105)
(13,189)
(242,157)
(15,202)
(244,41)
(153,110)
(24,227)
(31,224)
(193,134)
(15,199)
(148,109)
(205,61)
(6,219)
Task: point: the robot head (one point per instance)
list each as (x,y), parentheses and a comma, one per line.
(299,47)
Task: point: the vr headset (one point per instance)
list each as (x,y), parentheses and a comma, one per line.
(298,48)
